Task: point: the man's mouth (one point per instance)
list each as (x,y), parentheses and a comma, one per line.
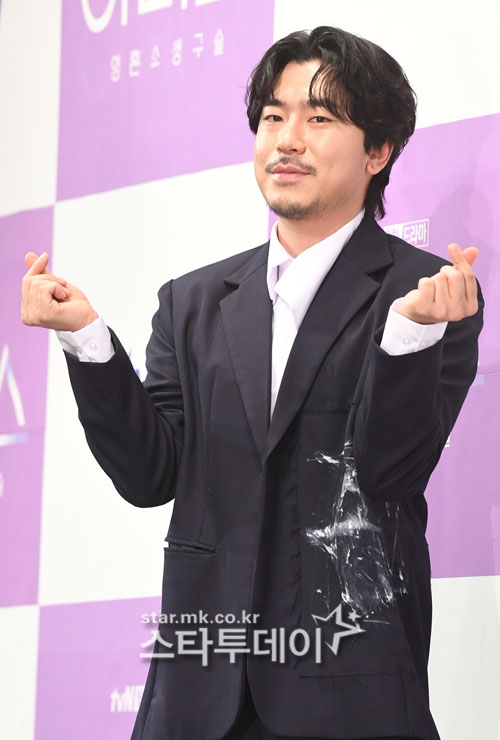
(287,172)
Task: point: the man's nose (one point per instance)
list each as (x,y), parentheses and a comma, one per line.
(291,138)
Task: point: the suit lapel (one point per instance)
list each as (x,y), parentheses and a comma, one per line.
(247,319)
(345,289)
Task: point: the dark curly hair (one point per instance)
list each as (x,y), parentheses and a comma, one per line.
(358,82)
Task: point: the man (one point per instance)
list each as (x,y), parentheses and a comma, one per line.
(298,397)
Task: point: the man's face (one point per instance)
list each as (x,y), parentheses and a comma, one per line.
(308,164)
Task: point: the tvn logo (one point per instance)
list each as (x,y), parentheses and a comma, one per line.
(415,232)
(7,379)
(128,700)
(98,23)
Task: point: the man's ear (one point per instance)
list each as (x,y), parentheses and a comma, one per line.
(378,157)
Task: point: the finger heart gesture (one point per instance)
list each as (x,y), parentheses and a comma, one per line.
(449,295)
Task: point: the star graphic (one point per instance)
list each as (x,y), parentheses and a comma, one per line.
(350,629)
(353,615)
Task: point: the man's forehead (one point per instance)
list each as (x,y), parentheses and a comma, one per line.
(288,86)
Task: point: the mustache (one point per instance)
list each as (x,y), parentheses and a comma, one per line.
(293,162)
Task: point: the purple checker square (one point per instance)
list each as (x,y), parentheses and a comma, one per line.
(449,175)
(90,675)
(23,390)
(463,494)
(495,527)
(169,119)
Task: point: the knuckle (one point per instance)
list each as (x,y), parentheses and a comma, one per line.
(47,287)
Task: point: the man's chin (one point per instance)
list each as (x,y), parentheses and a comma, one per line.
(294,210)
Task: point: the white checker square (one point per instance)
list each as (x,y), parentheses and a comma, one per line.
(30,40)
(18,674)
(449,51)
(464,663)
(119,247)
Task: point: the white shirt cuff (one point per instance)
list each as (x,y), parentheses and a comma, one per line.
(402,335)
(90,344)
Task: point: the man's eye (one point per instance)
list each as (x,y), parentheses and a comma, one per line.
(324,118)
(272,116)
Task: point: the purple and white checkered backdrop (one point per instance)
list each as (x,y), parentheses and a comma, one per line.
(126,155)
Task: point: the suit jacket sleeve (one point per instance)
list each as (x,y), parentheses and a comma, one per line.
(408,407)
(135,430)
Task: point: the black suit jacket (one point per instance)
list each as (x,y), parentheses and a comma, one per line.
(247,493)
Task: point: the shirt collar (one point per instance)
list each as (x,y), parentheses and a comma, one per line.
(300,277)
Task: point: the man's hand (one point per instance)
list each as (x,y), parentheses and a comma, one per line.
(449,295)
(50,301)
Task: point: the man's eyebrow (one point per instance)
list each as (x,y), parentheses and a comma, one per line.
(309,103)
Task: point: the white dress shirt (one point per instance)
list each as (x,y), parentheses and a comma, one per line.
(292,283)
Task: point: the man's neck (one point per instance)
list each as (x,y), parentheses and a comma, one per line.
(298,235)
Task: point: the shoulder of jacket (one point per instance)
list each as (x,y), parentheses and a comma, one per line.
(210,277)
(222,267)
(404,252)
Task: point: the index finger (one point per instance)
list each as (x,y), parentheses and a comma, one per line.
(39,264)
(460,261)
